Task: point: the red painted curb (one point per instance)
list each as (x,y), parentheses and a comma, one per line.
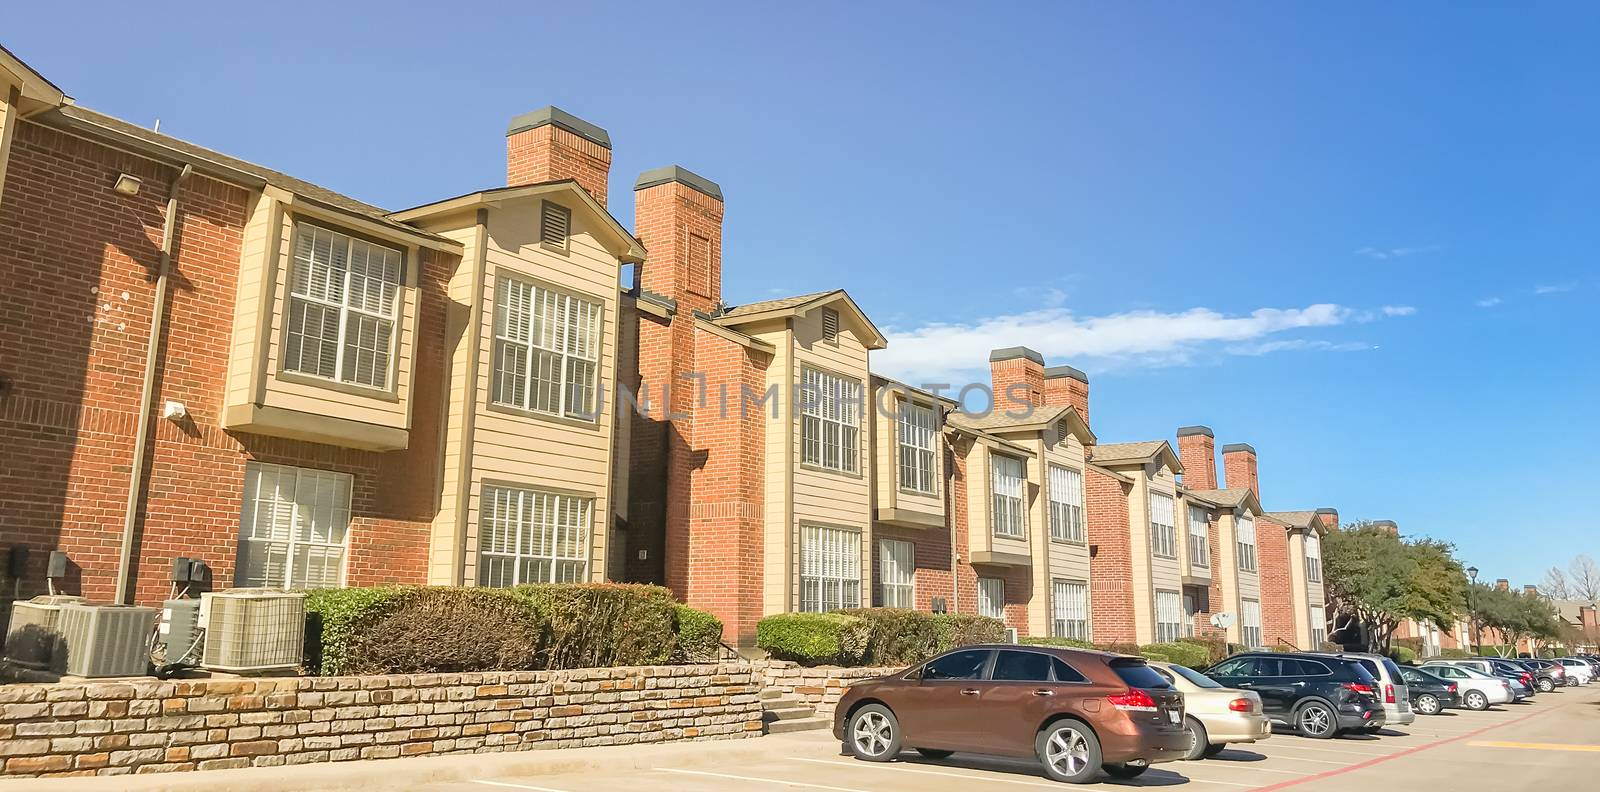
(1406,752)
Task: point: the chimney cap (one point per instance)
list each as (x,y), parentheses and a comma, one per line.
(680,174)
(1385,524)
(1068,372)
(1011,353)
(1186,431)
(560,118)
(1232,447)
(1326,510)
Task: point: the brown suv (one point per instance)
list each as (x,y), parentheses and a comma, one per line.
(1078,711)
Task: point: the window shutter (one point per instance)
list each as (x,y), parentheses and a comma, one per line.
(555,224)
(830,325)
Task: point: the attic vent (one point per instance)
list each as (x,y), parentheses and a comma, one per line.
(555,223)
(830,325)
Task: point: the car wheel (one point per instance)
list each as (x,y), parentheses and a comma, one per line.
(1545,685)
(934,753)
(1123,770)
(1427,704)
(1316,721)
(1475,700)
(1069,751)
(1213,750)
(1198,741)
(874,734)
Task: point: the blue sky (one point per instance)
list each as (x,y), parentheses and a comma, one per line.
(1360,238)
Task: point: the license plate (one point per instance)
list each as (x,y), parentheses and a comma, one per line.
(1172,715)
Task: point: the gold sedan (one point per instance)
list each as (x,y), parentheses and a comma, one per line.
(1215,715)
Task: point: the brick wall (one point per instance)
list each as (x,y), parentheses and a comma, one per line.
(549,153)
(78,261)
(114,728)
(1111,559)
(1277,587)
(819,687)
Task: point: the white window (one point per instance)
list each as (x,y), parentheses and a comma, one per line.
(830,425)
(1313,557)
(1319,628)
(1163,527)
(293,527)
(830,568)
(1199,537)
(547,350)
(1191,610)
(342,297)
(1250,623)
(528,536)
(916,431)
(1070,607)
(1066,504)
(1246,528)
(992,598)
(896,573)
(1169,616)
(1008,482)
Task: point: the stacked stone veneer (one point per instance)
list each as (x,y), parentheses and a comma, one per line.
(112,728)
(819,687)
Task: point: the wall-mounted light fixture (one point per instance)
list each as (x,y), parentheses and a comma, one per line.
(128,185)
(174,411)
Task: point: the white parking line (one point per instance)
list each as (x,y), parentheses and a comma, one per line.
(1334,751)
(902,768)
(516,786)
(757,779)
(1251,766)
(1303,759)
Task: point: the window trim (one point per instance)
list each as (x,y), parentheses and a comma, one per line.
(587,535)
(979,598)
(1313,562)
(800,567)
(1021,498)
(1081,506)
(882,583)
(932,450)
(1177,601)
(1199,541)
(801,416)
(1244,626)
(1240,544)
(243,543)
(282,372)
(1055,609)
(598,407)
(1171,531)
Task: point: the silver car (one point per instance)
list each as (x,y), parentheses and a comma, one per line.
(1478,690)
(1392,691)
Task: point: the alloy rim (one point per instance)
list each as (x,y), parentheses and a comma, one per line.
(1314,720)
(1475,699)
(1428,704)
(1067,751)
(873,734)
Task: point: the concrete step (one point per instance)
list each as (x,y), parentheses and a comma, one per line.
(771,714)
(812,723)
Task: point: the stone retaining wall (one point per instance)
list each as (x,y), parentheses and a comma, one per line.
(821,686)
(112,728)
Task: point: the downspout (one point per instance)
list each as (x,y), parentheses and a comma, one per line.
(141,438)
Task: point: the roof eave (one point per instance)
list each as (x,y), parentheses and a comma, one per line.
(628,249)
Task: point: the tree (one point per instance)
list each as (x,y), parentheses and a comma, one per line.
(1514,615)
(1381,580)
(1555,584)
(1585,577)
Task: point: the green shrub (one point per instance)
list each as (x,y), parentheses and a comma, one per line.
(1403,655)
(814,638)
(965,629)
(699,635)
(331,619)
(1495,651)
(1454,654)
(1069,643)
(897,636)
(1184,654)
(595,625)
(1215,646)
(428,630)
(1119,648)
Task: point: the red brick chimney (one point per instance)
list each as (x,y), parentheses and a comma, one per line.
(1531,590)
(1197,450)
(551,144)
(1017,374)
(1502,585)
(1329,518)
(1239,467)
(678,216)
(1067,385)
(1386,525)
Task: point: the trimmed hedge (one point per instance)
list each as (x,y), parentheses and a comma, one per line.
(871,636)
(1066,643)
(1455,654)
(433,629)
(1184,654)
(1403,655)
(1215,646)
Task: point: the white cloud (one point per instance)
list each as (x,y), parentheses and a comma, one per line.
(1489,302)
(1294,344)
(1384,254)
(1554,288)
(949,351)
(1398,310)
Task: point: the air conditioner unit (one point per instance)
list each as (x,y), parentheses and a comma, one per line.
(104,640)
(253,630)
(178,632)
(33,632)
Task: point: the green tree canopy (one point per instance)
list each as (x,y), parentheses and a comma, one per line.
(1383,580)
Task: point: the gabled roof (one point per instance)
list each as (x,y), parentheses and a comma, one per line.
(1302,520)
(801,305)
(880,381)
(170,149)
(620,242)
(987,438)
(1037,419)
(1231,498)
(1113,454)
(38,93)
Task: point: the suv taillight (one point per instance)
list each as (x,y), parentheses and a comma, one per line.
(1241,705)
(1451,687)
(1135,699)
(1388,694)
(1359,687)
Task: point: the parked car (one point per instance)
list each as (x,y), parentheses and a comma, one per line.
(1574,665)
(1391,688)
(1547,675)
(1430,694)
(1478,689)
(1215,715)
(1318,695)
(1521,680)
(1077,711)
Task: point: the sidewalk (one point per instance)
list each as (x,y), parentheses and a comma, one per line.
(375,775)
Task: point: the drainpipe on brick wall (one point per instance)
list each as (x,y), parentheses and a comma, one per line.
(141,437)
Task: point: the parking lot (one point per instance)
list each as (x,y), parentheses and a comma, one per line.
(1552,743)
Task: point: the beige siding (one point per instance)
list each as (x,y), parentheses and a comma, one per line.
(444,561)
(1058,560)
(887,493)
(1185,542)
(1166,574)
(780,459)
(245,353)
(1297,585)
(1227,572)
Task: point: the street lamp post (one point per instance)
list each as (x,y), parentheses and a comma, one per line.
(1472,572)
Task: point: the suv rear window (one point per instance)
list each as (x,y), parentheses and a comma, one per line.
(1394,670)
(1139,675)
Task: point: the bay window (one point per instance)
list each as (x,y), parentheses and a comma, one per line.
(1008,482)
